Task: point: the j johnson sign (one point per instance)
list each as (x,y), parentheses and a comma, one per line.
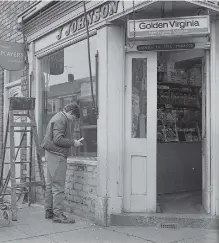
(195,25)
(94,16)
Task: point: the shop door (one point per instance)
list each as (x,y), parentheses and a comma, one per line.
(206,161)
(140,132)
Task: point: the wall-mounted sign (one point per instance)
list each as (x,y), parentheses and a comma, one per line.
(93,16)
(183,26)
(166,47)
(11,55)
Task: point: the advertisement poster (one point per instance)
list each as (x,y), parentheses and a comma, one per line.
(11,55)
(57,63)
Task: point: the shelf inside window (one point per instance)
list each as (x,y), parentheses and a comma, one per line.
(178,85)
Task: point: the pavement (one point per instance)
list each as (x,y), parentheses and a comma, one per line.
(32,227)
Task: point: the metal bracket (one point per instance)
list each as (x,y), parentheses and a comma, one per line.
(207,46)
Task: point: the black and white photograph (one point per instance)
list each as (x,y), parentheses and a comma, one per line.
(109,121)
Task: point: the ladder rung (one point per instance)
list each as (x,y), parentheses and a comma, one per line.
(23,124)
(28,146)
(28,184)
(7,194)
(19,147)
(4,179)
(20,114)
(21,131)
(19,162)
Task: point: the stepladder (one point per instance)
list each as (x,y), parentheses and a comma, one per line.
(24,157)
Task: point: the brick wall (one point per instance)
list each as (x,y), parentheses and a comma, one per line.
(8,14)
(8,31)
(80,190)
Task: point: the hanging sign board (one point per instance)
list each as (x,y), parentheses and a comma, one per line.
(11,55)
(166,47)
(157,28)
(56,61)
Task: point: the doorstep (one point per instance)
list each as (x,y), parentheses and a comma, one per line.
(161,220)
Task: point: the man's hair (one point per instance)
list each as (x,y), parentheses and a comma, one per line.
(74,108)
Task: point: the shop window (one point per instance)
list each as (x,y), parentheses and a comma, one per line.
(65,79)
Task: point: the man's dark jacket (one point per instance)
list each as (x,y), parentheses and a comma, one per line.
(58,135)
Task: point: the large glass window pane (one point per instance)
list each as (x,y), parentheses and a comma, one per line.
(65,78)
(139,97)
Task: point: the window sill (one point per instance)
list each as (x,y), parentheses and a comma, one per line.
(82,160)
(79,160)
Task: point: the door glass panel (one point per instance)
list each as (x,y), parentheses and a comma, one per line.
(139,97)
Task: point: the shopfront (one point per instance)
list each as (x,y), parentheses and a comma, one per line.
(155,85)
(168,119)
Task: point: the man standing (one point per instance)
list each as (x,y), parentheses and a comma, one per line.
(56,143)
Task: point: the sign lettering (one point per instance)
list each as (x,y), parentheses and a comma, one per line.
(11,55)
(93,16)
(195,25)
(166,47)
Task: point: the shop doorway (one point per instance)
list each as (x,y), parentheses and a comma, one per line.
(183,174)
(167,167)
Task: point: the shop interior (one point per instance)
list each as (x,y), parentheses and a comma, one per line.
(179,132)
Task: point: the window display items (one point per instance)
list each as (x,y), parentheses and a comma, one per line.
(179,103)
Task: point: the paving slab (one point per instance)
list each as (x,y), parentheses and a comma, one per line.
(212,237)
(94,234)
(167,235)
(31,221)
(9,233)
(33,227)
(40,239)
(48,227)
(34,215)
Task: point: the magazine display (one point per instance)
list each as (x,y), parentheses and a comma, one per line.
(179,103)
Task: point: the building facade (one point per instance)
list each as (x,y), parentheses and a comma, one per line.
(8,32)
(154,75)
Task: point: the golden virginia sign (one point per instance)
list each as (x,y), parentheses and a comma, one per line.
(93,16)
(145,28)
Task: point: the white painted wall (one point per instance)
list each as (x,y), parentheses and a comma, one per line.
(214,126)
(111,112)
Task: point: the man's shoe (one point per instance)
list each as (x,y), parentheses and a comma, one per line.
(49,214)
(61,218)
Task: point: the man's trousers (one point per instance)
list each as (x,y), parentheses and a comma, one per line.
(55,187)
